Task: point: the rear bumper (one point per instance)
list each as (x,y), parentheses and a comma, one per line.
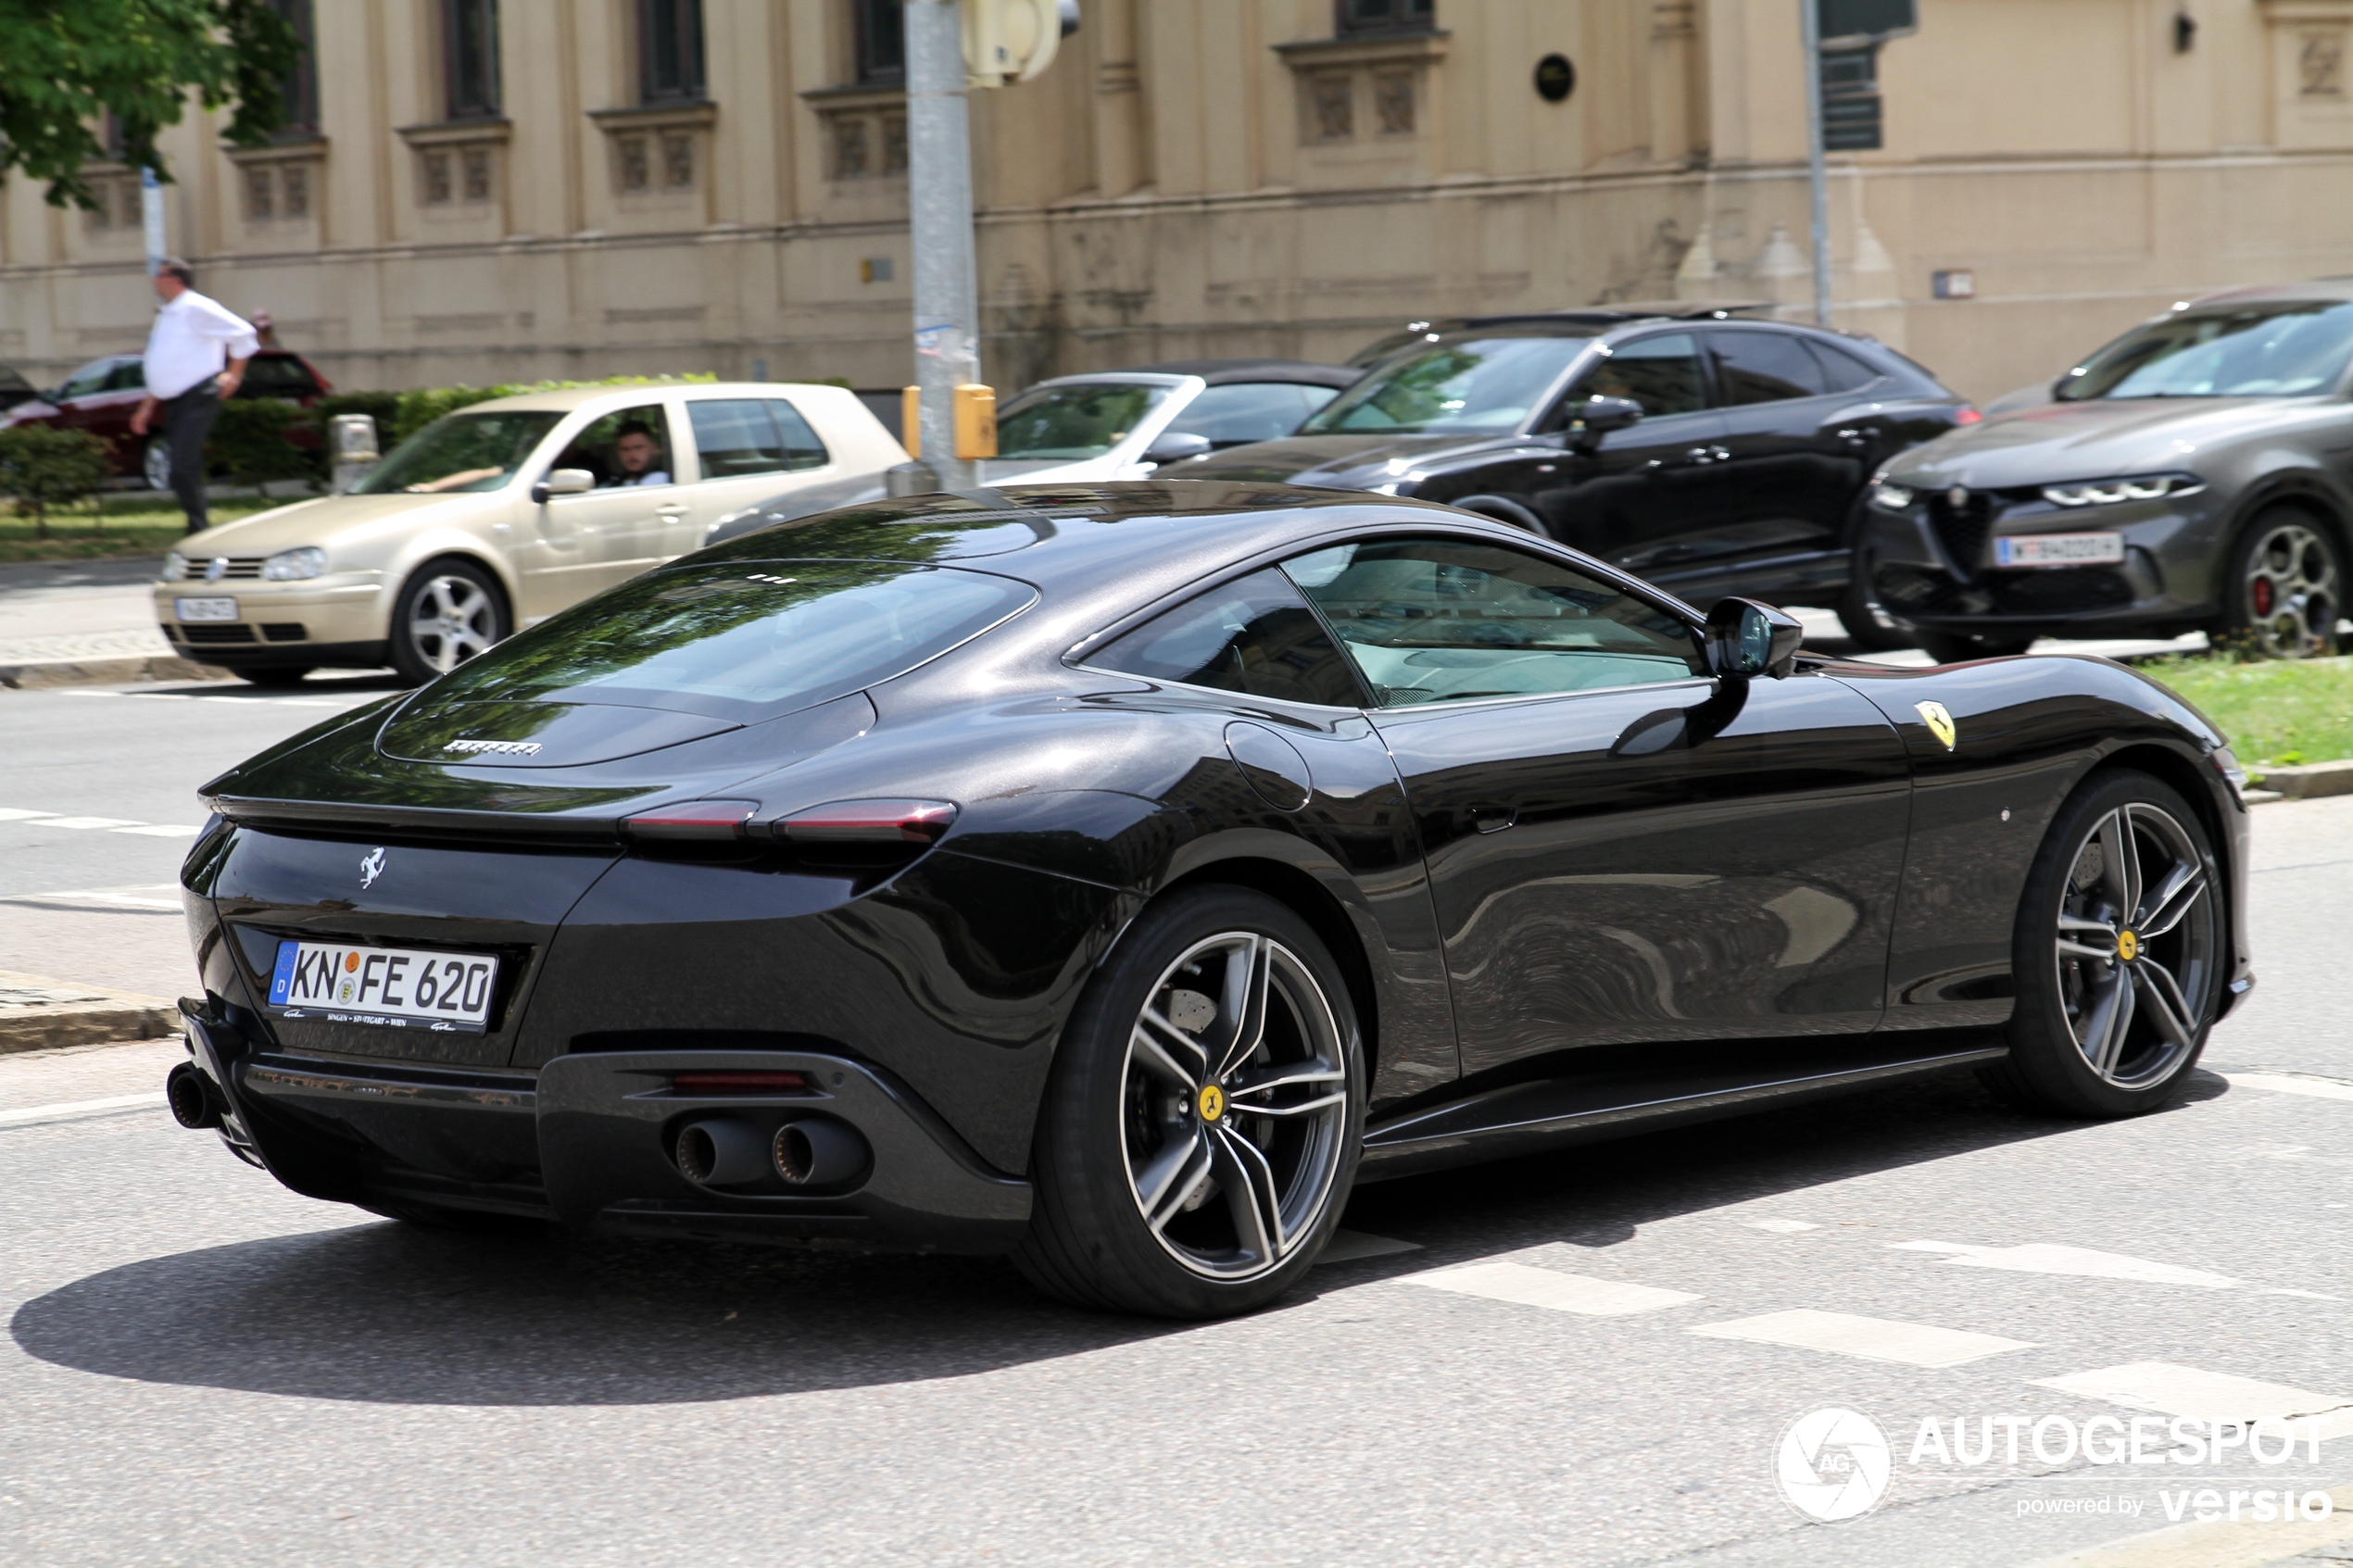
(588,1140)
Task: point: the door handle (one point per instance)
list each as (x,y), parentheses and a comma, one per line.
(1493,819)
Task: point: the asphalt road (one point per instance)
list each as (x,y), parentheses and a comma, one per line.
(202,1367)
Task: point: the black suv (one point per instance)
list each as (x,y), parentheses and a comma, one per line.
(1708,454)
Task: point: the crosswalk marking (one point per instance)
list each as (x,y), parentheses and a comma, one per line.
(1783,1227)
(2291,1083)
(1875,1339)
(108,824)
(17,814)
(88,823)
(2171,1389)
(69,1109)
(2043,1258)
(1550,1288)
(161,830)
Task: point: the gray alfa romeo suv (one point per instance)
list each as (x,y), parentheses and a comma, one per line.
(2197,472)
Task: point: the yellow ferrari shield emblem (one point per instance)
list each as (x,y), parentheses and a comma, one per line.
(2128,945)
(1213,1102)
(1939,722)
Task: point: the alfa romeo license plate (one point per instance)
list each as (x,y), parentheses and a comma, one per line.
(2059,549)
(390,987)
(205,610)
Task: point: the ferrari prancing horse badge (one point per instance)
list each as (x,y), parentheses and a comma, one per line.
(1939,722)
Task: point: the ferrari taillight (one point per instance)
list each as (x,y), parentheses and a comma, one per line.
(869,821)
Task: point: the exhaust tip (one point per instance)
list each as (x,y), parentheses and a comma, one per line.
(815,1151)
(191,1098)
(721,1152)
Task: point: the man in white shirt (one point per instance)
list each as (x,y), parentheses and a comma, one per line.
(197,354)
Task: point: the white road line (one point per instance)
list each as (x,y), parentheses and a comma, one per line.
(161,830)
(17,814)
(2171,1389)
(67,1110)
(135,898)
(2082,1262)
(1874,1339)
(1782,1227)
(161,696)
(1550,1288)
(88,823)
(2291,1083)
(1346,1246)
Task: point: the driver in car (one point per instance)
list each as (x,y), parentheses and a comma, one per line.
(640,456)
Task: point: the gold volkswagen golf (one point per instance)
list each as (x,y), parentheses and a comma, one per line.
(498,516)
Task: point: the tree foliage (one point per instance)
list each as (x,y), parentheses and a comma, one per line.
(42,467)
(66,65)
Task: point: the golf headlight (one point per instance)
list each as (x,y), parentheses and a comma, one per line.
(2108,491)
(292,566)
(1890,498)
(175,567)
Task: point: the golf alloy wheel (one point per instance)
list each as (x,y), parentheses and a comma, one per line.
(451,618)
(2291,589)
(2136,942)
(1235,1101)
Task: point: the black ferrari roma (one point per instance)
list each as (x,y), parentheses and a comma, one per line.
(1115,875)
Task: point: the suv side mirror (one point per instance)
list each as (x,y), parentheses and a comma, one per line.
(1746,639)
(563,482)
(1175,447)
(1597,416)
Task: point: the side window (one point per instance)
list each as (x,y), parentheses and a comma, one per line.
(1255,637)
(735,436)
(802,449)
(1448,620)
(1660,372)
(627,448)
(85,381)
(1840,371)
(1246,411)
(1765,367)
(128,375)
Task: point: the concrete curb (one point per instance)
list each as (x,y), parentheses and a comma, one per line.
(38,1013)
(35,674)
(2310,781)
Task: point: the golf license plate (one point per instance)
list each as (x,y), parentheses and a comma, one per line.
(391,987)
(206,609)
(2059,549)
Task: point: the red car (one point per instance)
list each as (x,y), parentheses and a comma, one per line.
(102,396)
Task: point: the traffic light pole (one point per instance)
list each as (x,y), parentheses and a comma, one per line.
(939,192)
(1817,163)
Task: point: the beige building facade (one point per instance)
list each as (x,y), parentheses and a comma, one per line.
(497,190)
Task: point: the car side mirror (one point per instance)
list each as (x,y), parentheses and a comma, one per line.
(1747,639)
(563,482)
(1597,416)
(1175,447)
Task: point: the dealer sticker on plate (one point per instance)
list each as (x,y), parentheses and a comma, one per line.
(2059,549)
(206,609)
(390,987)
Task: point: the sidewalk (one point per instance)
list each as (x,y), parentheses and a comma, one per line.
(69,621)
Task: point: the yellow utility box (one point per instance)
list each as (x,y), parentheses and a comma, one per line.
(911,420)
(976,409)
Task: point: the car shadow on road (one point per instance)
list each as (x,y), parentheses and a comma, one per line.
(380,1312)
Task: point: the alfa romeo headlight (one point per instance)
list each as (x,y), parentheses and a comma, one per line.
(292,566)
(2108,491)
(175,567)
(1890,498)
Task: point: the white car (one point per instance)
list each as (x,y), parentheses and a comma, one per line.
(498,516)
(1113,424)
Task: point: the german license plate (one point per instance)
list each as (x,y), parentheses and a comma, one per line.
(2059,549)
(389,987)
(206,609)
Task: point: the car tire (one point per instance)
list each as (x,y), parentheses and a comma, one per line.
(155,463)
(275,675)
(1954,647)
(2284,588)
(449,611)
(1162,1187)
(2099,1037)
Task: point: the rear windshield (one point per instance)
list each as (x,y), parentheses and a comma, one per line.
(1069,423)
(2275,350)
(743,640)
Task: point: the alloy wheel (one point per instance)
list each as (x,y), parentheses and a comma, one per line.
(2135,945)
(451,620)
(155,465)
(2292,594)
(1234,1099)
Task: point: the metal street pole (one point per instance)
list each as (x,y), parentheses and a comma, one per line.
(151,220)
(940,190)
(1818,171)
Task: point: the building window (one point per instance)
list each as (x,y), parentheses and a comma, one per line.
(669,50)
(470,55)
(880,39)
(1387,16)
(298,89)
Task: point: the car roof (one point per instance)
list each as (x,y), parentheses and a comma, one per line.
(565,399)
(2315,289)
(1220,372)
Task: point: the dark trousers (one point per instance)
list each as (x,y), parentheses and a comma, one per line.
(187,419)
